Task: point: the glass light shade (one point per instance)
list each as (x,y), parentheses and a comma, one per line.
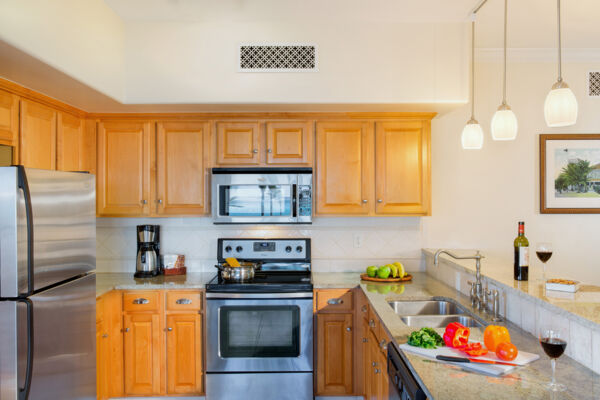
(504,124)
(560,108)
(472,136)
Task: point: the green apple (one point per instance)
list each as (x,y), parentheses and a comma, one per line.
(372,271)
(384,272)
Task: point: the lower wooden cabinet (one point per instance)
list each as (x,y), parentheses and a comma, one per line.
(335,363)
(149,343)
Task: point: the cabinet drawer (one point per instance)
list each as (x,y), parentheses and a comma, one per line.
(374,324)
(177,300)
(334,300)
(141,301)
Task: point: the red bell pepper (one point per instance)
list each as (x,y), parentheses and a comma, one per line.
(456,335)
(474,349)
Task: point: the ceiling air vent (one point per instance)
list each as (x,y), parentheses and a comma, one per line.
(594,84)
(277,58)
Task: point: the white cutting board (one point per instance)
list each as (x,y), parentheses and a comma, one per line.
(491,369)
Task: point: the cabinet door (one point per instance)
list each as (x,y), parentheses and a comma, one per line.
(38,136)
(344,181)
(184,353)
(382,377)
(109,346)
(101,352)
(238,143)
(9,118)
(367,368)
(289,142)
(142,354)
(182,158)
(402,168)
(124,160)
(334,354)
(70,143)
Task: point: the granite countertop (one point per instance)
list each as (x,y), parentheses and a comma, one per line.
(444,381)
(105,282)
(584,304)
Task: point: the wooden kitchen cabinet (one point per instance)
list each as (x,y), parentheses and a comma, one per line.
(184,353)
(109,346)
(334,354)
(37,144)
(344,172)
(182,150)
(402,168)
(123,175)
(238,143)
(289,142)
(9,118)
(72,144)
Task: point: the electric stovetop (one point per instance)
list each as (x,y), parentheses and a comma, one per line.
(264,282)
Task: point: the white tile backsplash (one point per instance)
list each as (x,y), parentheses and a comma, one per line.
(382,240)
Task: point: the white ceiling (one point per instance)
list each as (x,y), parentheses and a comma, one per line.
(532,23)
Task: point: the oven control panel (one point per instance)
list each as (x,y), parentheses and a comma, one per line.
(264,249)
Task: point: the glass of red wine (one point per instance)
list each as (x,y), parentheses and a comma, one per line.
(554,343)
(544,252)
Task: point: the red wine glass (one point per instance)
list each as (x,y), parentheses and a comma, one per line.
(544,252)
(554,343)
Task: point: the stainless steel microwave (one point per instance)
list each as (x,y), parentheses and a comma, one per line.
(262,195)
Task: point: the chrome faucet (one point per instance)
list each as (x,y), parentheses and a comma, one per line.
(479,296)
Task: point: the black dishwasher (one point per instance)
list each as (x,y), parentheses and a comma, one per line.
(403,385)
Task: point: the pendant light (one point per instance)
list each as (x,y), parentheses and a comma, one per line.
(560,108)
(472,134)
(504,122)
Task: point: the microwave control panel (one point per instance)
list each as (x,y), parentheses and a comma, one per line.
(304,201)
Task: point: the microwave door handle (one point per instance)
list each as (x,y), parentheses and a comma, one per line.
(23,185)
(295,201)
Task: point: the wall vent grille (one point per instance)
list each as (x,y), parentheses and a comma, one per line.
(277,58)
(594,84)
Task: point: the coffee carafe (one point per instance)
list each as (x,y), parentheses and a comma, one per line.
(148,262)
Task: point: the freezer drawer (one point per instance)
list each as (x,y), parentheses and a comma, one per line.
(63,325)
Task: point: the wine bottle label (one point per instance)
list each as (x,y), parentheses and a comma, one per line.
(523,256)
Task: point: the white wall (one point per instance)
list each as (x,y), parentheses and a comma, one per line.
(83,39)
(334,247)
(479,196)
(359,62)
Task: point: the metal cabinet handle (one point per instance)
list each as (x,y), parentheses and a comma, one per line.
(126,330)
(365,340)
(383,345)
(144,201)
(365,200)
(349,329)
(379,200)
(377,370)
(372,324)
(169,329)
(183,301)
(255,151)
(374,363)
(364,309)
(269,151)
(334,302)
(159,201)
(105,336)
(141,300)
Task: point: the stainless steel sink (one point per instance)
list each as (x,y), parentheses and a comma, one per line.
(439,321)
(425,307)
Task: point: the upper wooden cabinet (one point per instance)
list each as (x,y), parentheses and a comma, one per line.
(344,172)
(402,169)
(238,143)
(75,145)
(361,173)
(182,150)
(38,136)
(289,142)
(9,118)
(124,160)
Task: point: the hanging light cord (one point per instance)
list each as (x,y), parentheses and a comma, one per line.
(559,43)
(473,68)
(505,29)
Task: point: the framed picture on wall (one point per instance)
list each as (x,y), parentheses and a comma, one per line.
(570,174)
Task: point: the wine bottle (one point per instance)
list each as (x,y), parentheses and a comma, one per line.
(521,255)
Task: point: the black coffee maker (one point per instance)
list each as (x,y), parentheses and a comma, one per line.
(148,260)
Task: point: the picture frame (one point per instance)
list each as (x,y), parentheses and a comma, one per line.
(569,173)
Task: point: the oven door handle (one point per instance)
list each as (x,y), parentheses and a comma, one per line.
(256,296)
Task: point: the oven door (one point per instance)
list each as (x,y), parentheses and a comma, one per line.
(259,334)
(255,198)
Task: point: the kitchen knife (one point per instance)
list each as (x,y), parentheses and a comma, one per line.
(473,360)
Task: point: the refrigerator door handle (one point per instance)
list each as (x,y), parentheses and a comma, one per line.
(24,391)
(29,214)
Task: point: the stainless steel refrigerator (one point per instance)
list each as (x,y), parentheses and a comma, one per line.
(47,284)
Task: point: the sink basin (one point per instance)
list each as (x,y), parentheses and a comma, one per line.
(439,321)
(425,307)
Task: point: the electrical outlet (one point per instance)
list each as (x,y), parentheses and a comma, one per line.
(358,240)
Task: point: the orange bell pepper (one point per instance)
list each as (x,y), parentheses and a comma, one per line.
(456,335)
(494,335)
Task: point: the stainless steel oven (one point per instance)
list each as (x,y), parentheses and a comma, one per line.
(259,345)
(262,195)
